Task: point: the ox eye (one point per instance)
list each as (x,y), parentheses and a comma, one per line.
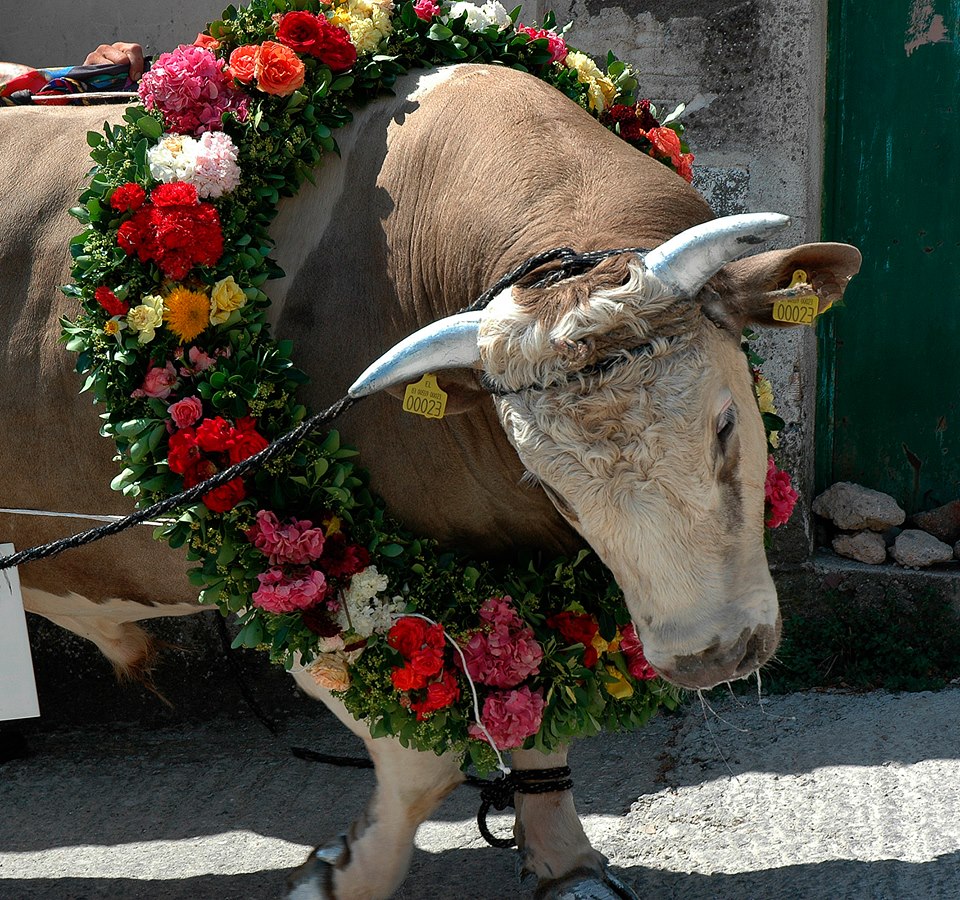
(726,423)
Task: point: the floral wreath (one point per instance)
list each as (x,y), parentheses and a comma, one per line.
(169,273)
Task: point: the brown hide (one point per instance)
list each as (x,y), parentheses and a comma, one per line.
(437,199)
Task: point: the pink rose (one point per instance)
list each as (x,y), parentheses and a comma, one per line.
(780,496)
(279,593)
(632,649)
(510,717)
(159,382)
(296,541)
(426,9)
(186,412)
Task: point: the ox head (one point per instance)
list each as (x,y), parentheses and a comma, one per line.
(628,398)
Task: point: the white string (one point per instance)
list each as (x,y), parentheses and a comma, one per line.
(501,765)
(67,515)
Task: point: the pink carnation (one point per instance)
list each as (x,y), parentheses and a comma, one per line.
(637,664)
(780,496)
(158,382)
(510,717)
(295,542)
(190,89)
(279,593)
(505,652)
(215,165)
(186,412)
(426,9)
(198,361)
(555,44)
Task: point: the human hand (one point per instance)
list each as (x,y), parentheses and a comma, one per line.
(118,53)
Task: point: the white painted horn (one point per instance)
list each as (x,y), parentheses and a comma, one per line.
(685,263)
(449,343)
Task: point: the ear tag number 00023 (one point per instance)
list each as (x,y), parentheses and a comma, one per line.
(799,310)
(425,398)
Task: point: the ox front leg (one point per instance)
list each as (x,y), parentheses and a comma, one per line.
(370,861)
(554,849)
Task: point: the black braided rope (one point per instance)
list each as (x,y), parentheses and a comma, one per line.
(192,495)
(499,794)
(572,263)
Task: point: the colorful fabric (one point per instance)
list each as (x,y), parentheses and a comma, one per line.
(60,85)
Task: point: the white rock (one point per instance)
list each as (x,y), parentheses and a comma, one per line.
(918,549)
(864,546)
(853,507)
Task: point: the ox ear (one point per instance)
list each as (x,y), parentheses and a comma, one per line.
(745,291)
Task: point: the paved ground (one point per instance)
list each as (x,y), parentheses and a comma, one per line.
(807,796)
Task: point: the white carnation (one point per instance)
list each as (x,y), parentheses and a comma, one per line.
(209,164)
(170,160)
(480,18)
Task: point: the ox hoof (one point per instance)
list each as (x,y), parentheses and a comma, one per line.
(585,886)
(314,879)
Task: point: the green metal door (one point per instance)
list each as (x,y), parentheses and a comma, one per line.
(889,392)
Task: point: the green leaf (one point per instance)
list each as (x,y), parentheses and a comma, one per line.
(439,32)
(390,550)
(342,83)
(251,635)
(149,126)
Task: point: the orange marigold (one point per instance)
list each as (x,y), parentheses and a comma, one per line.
(187,313)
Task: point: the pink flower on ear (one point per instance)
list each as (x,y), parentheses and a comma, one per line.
(510,717)
(426,9)
(186,412)
(779,494)
(632,649)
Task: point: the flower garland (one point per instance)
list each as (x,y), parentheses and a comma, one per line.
(171,336)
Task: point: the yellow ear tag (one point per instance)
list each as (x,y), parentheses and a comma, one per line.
(425,398)
(798,310)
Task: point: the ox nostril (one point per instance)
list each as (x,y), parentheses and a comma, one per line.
(759,649)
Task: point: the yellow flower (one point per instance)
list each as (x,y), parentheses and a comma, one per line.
(599,644)
(764,392)
(225,297)
(330,671)
(146,318)
(601,91)
(774,438)
(620,689)
(367,21)
(187,313)
(111,327)
(331,526)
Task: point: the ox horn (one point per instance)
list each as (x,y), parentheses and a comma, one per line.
(685,263)
(449,343)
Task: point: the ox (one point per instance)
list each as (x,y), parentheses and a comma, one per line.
(656,459)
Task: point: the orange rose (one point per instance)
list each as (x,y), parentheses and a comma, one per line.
(279,70)
(665,143)
(243,62)
(208,42)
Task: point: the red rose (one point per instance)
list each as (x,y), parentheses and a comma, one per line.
(427,662)
(335,49)
(300,31)
(407,634)
(177,193)
(243,63)
(406,679)
(182,451)
(578,628)
(127,197)
(113,305)
(243,444)
(279,70)
(440,695)
(225,497)
(214,434)
(666,143)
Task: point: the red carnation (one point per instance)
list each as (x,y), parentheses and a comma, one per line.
(213,435)
(342,559)
(201,470)
(440,695)
(182,451)
(113,305)
(177,193)
(577,628)
(128,197)
(406,679)
(335,49)
(427,662)
(317,619)
(225,497)
(645,116)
